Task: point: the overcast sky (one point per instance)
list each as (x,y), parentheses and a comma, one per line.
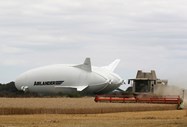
(144,34)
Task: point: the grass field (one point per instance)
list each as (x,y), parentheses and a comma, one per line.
(71,106)
(172,118)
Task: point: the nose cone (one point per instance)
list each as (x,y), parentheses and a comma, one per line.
(20,81)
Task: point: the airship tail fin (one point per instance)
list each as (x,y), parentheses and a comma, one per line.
(79,88)
(86,65)
(113,65)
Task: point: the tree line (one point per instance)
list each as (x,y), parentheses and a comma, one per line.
(10,90)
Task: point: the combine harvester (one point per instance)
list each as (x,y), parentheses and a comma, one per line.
(143,91)
(123,99)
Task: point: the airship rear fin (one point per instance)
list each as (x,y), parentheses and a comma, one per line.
(86,65)
(113,65)
(79,88)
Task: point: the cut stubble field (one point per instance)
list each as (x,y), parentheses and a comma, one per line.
(171,118)
(84,105)
(84,112)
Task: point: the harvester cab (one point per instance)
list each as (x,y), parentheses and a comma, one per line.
(146,82)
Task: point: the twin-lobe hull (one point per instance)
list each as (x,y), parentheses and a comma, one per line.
(69,79)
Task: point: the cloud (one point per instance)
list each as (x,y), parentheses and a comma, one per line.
(143,34)
(9,49)
(12,62)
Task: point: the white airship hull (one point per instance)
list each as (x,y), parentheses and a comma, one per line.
(68,79)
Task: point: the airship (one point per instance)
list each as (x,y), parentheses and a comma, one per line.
(67,79)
